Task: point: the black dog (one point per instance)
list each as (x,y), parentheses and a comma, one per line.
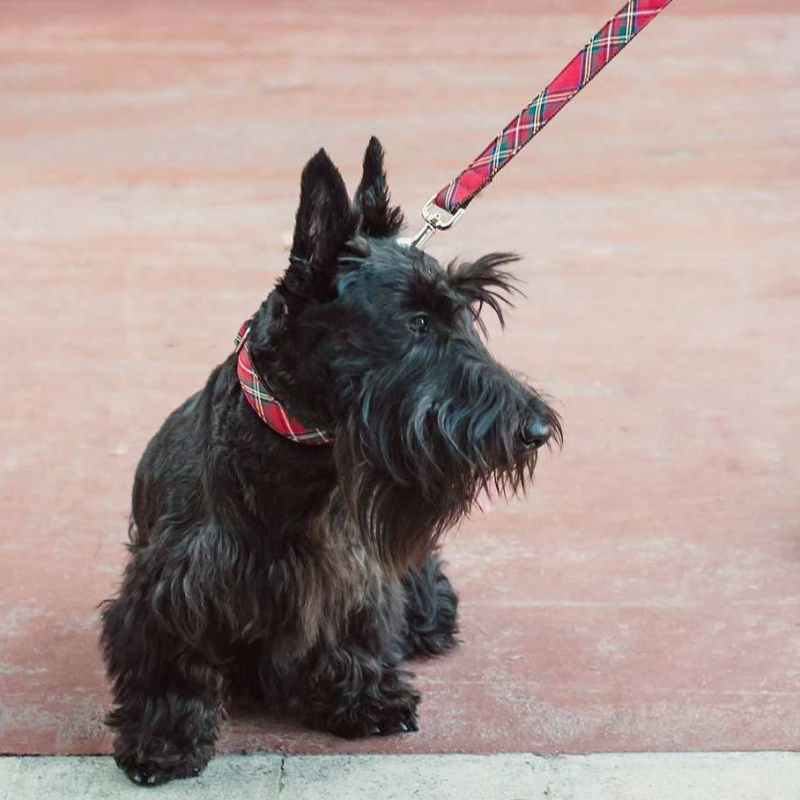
(264,566)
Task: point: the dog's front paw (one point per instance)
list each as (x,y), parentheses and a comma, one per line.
(150,773)
(399,715)
(390,707)
(161,764)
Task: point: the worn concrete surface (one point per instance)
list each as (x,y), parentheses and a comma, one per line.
(504,776)
(645,597)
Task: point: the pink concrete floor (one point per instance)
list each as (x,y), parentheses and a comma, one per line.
(645,597)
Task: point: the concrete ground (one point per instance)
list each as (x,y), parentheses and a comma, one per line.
(504,776)
(645,596)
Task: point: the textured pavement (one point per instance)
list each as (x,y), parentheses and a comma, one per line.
(504,776)
(645,595)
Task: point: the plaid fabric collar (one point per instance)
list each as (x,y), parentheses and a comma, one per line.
(264,403)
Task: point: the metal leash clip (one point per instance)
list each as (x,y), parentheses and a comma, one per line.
(436,219)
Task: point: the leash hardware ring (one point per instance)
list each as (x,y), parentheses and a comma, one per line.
(436,219)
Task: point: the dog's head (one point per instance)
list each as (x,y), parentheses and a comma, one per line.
(378,343)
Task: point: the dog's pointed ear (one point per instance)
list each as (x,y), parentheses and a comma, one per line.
(325,219)
(378,217)
(324,224)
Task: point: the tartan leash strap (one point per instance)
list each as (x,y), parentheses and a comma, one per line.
(449,203)
(264,403)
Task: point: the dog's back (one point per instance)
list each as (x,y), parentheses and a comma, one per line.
(168,484)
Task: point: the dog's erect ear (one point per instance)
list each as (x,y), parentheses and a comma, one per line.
(325,219)
(325,222)
(378,218)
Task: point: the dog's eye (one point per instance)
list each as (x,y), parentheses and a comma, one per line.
(419,324)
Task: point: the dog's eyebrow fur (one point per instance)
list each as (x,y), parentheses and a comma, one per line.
(431,289)
(481,282)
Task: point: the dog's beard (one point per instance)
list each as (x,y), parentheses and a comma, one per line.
(416,453)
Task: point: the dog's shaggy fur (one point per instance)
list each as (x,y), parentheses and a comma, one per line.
(283,571)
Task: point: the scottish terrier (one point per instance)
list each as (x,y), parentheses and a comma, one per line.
(297,561)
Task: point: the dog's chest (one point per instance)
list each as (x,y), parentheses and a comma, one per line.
(325,581)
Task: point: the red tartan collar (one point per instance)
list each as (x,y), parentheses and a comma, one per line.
(264,403)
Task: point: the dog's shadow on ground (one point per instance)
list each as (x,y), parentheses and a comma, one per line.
(257,726)
(266,727)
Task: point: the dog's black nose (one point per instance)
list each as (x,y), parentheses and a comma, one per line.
(534,434)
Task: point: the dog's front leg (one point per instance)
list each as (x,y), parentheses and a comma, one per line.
(167,696)
(352,693)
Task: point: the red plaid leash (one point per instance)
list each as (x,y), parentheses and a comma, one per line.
(264,403)
(447,206)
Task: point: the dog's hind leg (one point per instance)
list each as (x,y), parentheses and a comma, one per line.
(431,609)
(167,697)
